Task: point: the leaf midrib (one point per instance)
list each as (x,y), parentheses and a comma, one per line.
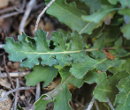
(63,52)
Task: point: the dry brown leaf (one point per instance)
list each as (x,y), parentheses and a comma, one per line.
(5,83)
(109,55)
(53,85)
(5,25)
(13,66)
(71,87)
(4,3)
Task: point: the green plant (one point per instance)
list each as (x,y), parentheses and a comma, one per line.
(95,51)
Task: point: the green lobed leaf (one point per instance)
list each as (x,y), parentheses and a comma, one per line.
(70,15)
(39,74)
(107,64)
(61,96)
(123,97)
(103,91)
(62,100)
(79,70)
(29,52)
(107,88)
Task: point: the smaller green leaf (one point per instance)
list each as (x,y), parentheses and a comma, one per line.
(79,70)
(61,9)
(103,91)
(114,2)
(98,16)
(95,77)
(67,78)
(126,31)
(40,73)
(126,66)
(62,100)
(41,104)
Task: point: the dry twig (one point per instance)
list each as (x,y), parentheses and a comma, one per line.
(14,74)
(15,90)
(38,90)
(5,10)
(26,15)
(110,104)
(90,104)
(16,95)
(16,12)
(9,15)
(42,13)
(7,72)
(19,11)
(96,105)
